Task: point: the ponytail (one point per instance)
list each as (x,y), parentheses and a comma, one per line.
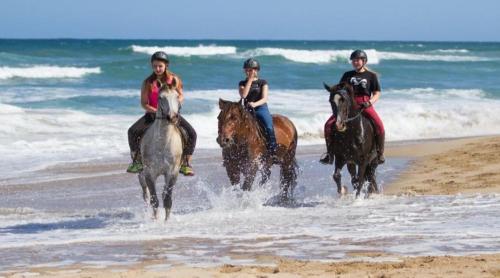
(370,70)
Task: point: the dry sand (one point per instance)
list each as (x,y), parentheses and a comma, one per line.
(446,266)
(468,166)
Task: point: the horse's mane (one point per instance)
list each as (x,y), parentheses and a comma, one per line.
(246,118)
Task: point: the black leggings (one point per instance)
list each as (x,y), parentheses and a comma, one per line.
(137,130)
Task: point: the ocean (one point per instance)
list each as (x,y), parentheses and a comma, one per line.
(73,100)
(66,105)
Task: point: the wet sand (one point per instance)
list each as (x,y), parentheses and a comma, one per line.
(458,166)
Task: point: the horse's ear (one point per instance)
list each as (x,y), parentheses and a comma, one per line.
(327,87)
(222,103)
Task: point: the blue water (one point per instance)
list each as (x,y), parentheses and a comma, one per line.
(80,96)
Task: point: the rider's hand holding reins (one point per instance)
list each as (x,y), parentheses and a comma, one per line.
(365,104)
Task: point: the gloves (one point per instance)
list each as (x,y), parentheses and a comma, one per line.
(365,104)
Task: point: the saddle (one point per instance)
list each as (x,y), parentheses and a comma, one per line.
(261,131)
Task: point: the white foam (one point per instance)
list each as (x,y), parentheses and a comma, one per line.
(315,56)
(37,94)
(43,71)
(452,50)
(383,55)
(416,113)
(239,223)
(200,50)
(35,138)
(374,56)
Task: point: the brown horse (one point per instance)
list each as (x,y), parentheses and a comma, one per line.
(244,148)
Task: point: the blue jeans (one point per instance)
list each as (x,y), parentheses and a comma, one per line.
(266,120)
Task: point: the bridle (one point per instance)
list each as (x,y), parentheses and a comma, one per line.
(344,94)
(161,116)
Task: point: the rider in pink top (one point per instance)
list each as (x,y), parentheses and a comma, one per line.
(149,101)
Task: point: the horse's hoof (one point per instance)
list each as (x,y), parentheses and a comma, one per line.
(344,190)
(155,214)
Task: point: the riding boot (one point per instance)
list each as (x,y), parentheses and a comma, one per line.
(380,148)
(326,158)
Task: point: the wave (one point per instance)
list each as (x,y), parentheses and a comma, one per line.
(314,56)
(433,94)
(428,57)
(374,56)
(31,138)
(41,71)
(452,50)
(36,94)
(307,56)
(186,51)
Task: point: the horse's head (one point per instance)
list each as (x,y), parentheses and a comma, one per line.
(168,103)
(342,102)
(230,120)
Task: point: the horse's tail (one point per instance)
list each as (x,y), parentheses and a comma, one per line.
(295,165)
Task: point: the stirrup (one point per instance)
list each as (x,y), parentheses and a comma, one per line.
(326,159)
(381,159)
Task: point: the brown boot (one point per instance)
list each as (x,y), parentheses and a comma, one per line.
(380,148)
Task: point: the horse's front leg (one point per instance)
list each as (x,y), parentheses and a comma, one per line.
(250,173)
(170,180)
(266,171)
(232,167)
(351,167)
(361,177)
(288,178)
(371,176)
(153,200)
(337,175)
(144,187)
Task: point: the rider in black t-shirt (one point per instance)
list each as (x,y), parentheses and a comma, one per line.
(367,91)
(254,91)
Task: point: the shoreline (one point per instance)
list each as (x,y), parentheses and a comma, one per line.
(433,164)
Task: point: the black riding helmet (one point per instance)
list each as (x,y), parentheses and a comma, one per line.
(161,56)
(251,64)
(359,54)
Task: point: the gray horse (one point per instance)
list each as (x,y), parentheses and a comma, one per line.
(161,149)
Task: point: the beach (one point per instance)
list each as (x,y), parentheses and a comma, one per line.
(463,170)
(68,209)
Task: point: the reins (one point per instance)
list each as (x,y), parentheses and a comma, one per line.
(355,117)
(344,92)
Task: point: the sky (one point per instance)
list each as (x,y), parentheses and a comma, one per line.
(410,20)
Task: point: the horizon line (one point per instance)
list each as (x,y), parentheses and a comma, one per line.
(262,39)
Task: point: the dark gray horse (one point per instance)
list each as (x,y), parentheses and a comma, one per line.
(353,140)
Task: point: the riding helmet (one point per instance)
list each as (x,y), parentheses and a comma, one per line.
(359,54)
(161,56)
(251,64)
